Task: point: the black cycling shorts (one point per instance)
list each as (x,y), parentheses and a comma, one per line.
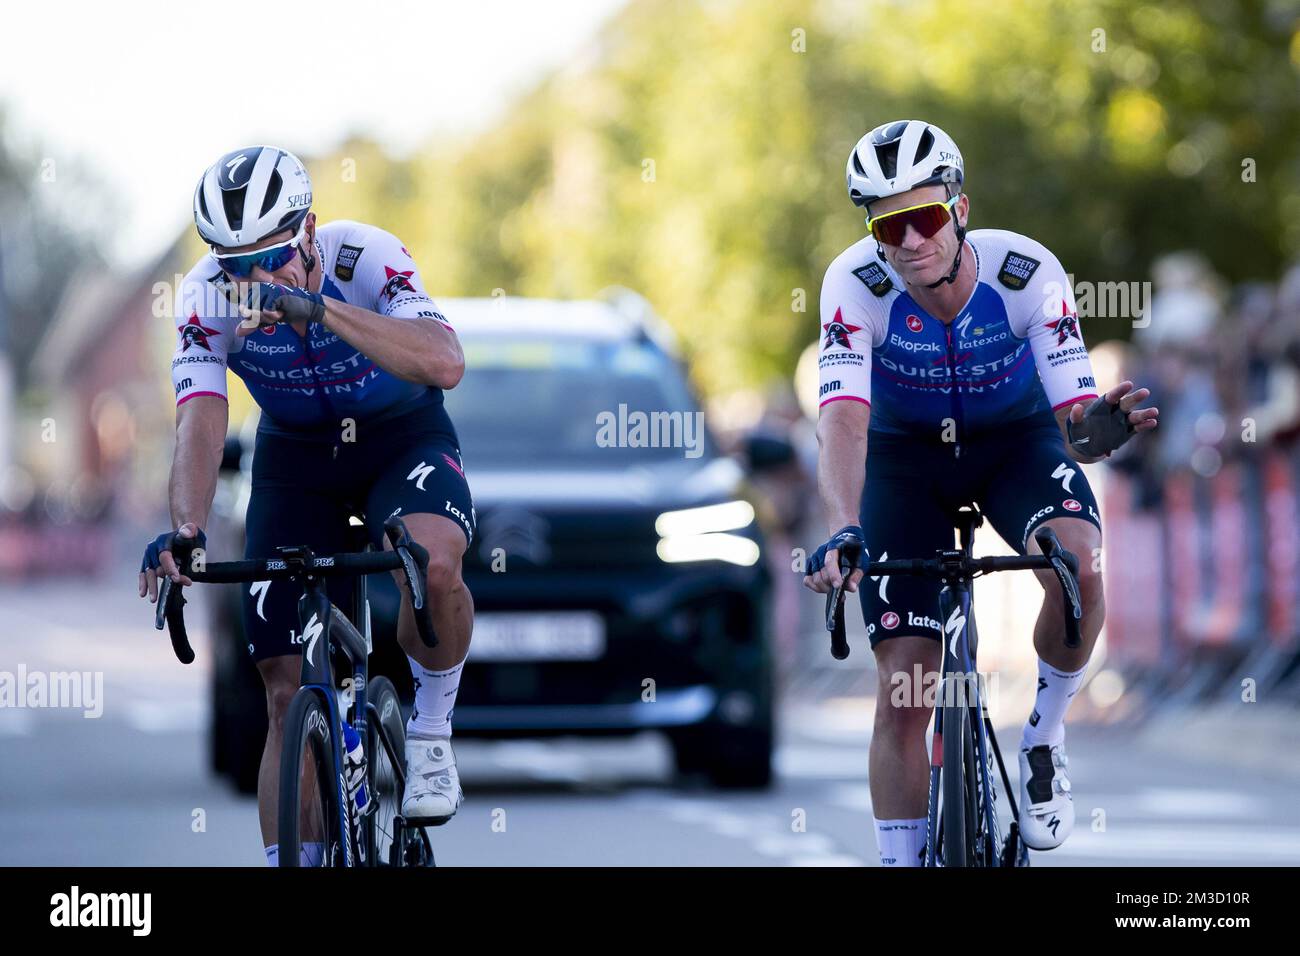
(1019,477)
(305,488)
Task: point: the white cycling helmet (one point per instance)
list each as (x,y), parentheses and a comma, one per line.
(902,155)
(250,194)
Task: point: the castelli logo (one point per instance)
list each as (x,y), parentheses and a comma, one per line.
(889,620)
(1069,504)
(914,323)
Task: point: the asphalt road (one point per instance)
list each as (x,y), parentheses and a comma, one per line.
(131,787)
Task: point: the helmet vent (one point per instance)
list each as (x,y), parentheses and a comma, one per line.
(272,192)
(924,146)
(203,205)
(233,201)
(887,153)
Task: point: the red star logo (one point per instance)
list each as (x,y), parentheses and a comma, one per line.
(1066,326)
(838,332)
(194,332)
(397,282)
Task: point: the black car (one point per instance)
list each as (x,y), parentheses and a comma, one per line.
(617,572)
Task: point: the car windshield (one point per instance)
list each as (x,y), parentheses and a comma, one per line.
(565,403)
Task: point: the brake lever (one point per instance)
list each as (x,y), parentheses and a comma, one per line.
(171,602)
(415,563)
(848,560)
(1066,565)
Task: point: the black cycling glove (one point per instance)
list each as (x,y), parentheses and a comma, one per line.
(847,533)
(1105,427)
(166,542)
(293,304)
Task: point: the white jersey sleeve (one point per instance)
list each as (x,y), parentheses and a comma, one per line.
(384,277)
(1044,312)
(853,321)
(205,334)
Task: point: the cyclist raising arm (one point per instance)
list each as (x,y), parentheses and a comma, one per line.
(332,332)
(953,370)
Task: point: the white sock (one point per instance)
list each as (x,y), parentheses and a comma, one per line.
(1046,725)
(273,855)
(901,842)
(435,698)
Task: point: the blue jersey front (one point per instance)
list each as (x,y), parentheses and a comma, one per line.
(913,371)
(315,381)
(1014,351)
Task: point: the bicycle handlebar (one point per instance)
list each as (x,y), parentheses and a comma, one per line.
(407,555)
(954,566)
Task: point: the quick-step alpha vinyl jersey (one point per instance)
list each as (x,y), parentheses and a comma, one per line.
(312,383)
(1014,351)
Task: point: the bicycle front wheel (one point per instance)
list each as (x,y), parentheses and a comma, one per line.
(309,809)
(959,824)
(385,777)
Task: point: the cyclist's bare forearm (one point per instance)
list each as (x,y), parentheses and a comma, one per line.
(200,439)
(841,460)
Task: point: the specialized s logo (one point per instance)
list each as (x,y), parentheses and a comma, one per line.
(954,626)
(258,589)
(310,635)
(1067,326)
(194,332)
(837,332)
(232,168)
(419,473)
(397,282)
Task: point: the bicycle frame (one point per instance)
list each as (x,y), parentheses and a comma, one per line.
(317,617)
(957,569)
(337,632)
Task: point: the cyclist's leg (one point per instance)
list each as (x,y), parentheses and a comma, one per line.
(437,509)
(289,504)
(1034,484)
(423,479)
(903,515)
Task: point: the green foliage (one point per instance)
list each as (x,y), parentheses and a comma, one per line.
(697,154)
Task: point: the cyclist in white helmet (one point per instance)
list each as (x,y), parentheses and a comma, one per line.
(347,356)
(953,370)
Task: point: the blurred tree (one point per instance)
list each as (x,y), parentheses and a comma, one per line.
(53,215)
(696,154)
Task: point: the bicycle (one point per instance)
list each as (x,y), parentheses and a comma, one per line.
(316,807)
(961,823)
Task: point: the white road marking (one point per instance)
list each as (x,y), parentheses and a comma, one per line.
(166,716)
(16,722)
(1177,802)
(1220,844)
(766,833)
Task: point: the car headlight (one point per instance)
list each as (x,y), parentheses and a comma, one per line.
(699,534)
(727,516)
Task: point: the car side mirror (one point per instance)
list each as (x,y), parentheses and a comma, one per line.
(231,453)
(767,452)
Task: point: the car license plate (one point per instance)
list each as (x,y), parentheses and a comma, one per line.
(549,636)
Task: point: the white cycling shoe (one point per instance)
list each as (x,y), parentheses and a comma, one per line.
(433,791)
(1046,805)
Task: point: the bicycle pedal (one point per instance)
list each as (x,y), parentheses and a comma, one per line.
(421,822)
